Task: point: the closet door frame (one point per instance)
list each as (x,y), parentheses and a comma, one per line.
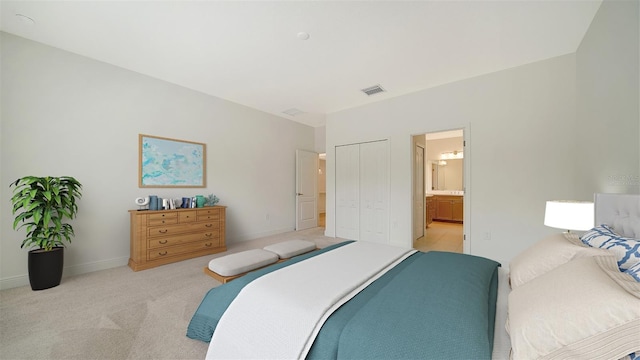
(362,191)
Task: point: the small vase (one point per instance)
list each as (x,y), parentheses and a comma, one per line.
(199,201)
(153,202)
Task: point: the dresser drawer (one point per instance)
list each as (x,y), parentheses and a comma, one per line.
(162,215)
(157,231)
(205,217)
(187,216)
(209,214)
(156,243)
(167,221)
(165,252)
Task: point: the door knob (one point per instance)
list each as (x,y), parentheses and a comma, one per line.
(299,194)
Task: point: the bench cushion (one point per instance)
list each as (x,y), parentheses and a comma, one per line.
(242,262)
(291,248)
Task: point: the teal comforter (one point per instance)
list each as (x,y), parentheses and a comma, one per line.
(433,305)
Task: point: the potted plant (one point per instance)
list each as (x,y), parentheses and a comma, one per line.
(42,204)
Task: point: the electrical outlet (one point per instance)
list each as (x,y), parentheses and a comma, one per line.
(266,217)
(487,236)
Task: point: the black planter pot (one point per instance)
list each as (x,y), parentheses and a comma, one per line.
(45,268)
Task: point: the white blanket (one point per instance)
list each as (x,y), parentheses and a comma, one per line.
(278,315)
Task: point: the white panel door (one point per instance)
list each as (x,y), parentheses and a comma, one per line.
(347,192)
(374,192)
(306,189)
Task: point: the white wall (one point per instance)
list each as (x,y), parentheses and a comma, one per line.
(608,101)
(518,122)
(547,130)
(63,114)
(320,137)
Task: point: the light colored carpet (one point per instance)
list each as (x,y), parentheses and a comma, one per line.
(117,313)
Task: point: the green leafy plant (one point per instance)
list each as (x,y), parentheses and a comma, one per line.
(42,203)
(211,200)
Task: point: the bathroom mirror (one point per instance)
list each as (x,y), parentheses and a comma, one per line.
(447,174)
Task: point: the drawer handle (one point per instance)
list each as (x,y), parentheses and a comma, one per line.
(162,253)
(163,241)
(208,245)
(208,225)
(208,235)
(163,231)
(163,215)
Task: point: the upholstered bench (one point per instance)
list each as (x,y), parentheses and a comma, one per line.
(232,266)
(229,267)
(291,248)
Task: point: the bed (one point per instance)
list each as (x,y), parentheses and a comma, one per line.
(399,303)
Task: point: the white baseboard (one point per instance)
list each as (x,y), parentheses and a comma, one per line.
(258,235)
(94,266)
(23,280)
(14,282)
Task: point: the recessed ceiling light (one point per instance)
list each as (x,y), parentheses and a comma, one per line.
(25,19)
(303,35)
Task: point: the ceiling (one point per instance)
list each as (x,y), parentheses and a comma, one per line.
(250,52)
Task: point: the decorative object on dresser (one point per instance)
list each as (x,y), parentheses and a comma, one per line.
(211,200)
(42,204)
(142,202)
(166,236)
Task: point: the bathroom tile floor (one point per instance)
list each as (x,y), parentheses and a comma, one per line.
(441,236)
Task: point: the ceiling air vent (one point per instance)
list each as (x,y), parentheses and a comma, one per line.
(372,90)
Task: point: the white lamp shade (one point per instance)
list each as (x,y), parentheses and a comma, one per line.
(569,215)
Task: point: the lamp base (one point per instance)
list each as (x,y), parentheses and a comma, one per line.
(571,236)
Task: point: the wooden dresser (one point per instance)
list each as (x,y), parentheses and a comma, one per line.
(165,236)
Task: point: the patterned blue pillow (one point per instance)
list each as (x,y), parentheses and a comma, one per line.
(626,250)
(634,356)
(635,272)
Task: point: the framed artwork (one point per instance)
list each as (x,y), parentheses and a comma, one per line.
(168,162)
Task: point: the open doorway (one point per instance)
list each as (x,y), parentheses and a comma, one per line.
(441,203)
(322,190)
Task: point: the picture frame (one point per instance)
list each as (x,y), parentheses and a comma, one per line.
(171,163)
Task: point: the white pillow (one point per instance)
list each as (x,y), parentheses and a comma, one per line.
(627,250)
(584,309)
(547,254)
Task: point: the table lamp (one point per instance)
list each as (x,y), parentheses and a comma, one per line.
(569,215)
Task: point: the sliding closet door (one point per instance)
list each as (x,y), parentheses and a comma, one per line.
(374,192)
(362,191)
(347,192)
